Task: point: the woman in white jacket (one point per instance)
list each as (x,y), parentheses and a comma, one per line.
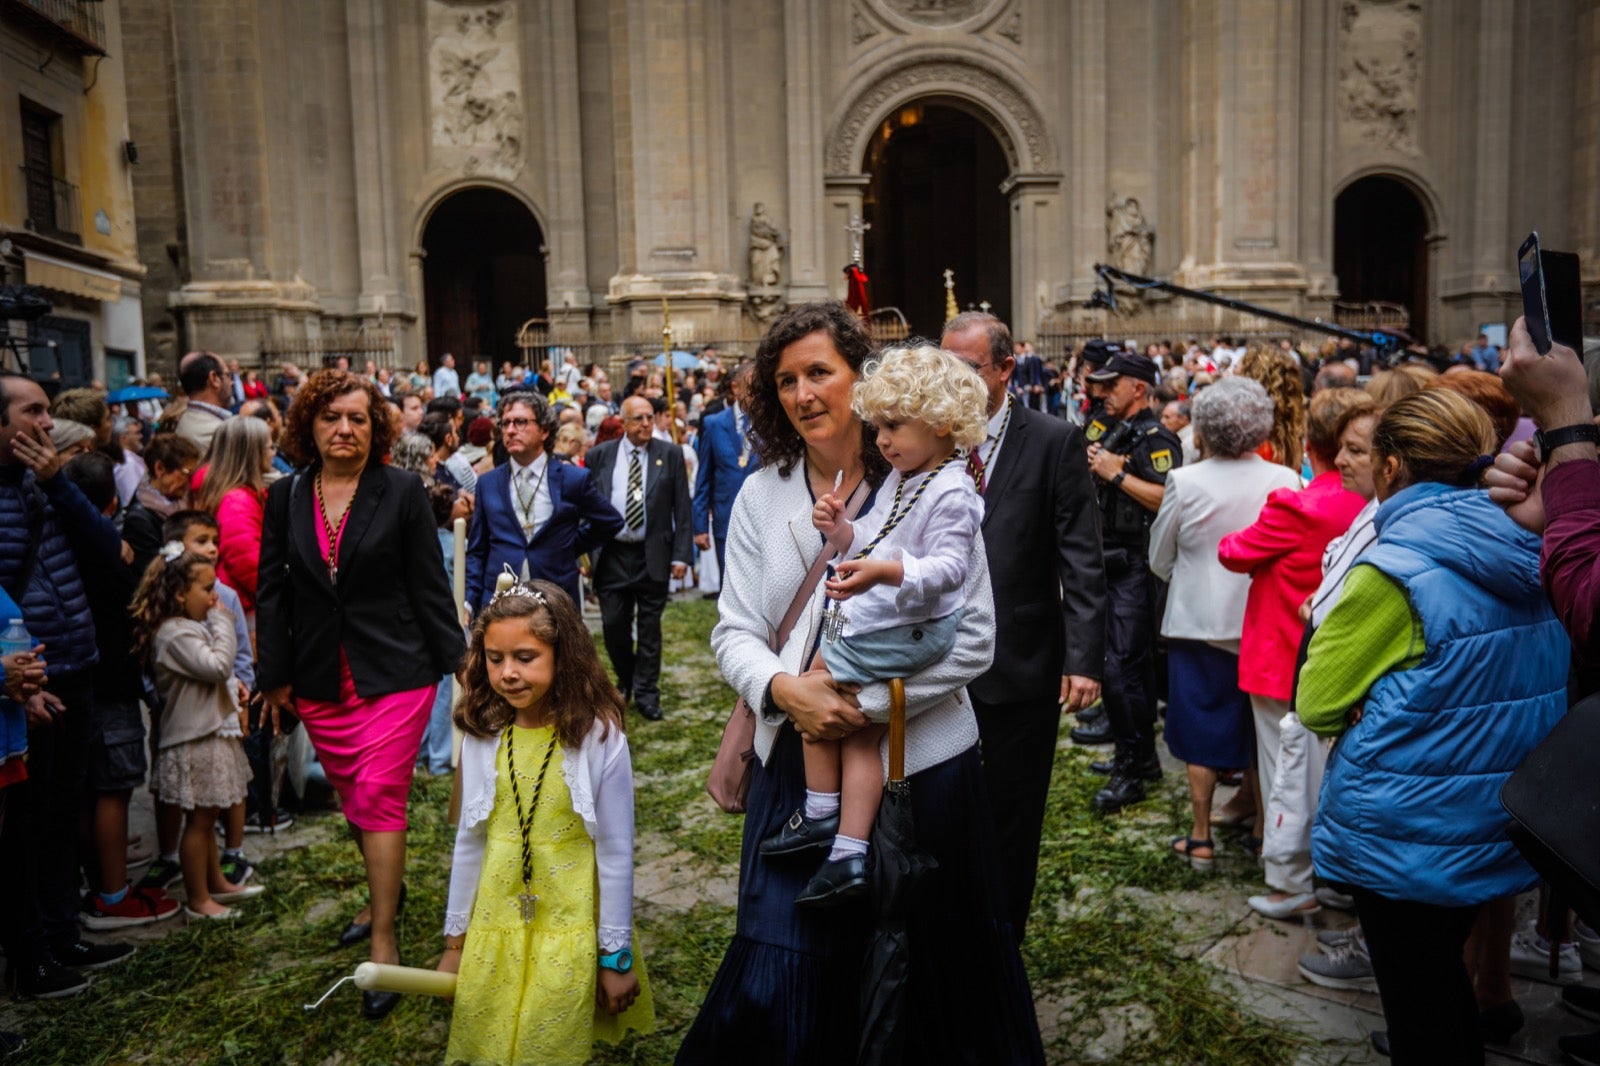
(788,988)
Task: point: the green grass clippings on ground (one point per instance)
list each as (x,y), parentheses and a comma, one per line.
(1101,948)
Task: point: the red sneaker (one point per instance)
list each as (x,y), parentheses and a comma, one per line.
(141,906)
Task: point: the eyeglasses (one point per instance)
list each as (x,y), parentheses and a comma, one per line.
(980,367)
(517,423)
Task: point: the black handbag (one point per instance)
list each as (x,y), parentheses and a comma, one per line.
(1554,802)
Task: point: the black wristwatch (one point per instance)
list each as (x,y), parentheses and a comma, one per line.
(1549,440)
(1116,482)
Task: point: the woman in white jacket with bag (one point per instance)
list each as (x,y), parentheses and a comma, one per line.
(789,986)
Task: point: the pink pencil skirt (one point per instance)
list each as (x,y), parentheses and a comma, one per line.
(368,749)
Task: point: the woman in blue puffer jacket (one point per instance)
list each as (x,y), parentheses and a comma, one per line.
(1440,667)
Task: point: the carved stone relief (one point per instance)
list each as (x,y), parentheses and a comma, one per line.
(766,250)
(847,140)
(475,88)
(861,26)
(1379,69)
(1012,29)
(1130,239)
(936,12)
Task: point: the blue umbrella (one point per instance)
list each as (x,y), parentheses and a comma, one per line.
(681,360)
(134,393)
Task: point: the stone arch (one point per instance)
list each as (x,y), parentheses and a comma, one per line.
(987,92)
(429,203)
(1415,183)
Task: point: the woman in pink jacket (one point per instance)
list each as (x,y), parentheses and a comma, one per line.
(1282,553)
(235,491)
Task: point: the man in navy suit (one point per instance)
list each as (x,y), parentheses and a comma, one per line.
(646,481)
(727,456)
(532,514)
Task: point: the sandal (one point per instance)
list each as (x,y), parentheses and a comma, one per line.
(1186,853)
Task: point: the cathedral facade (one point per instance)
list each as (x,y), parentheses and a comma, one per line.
(447,173)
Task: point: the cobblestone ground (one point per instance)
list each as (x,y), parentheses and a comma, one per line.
(1134,958)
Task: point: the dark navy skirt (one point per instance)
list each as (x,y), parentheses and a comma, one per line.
(789,986)
(1209,721)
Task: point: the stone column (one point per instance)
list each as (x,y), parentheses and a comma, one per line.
(845,194)
(1035,214)
(814,265)
(568,268)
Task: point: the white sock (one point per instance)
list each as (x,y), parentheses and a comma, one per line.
(233,853)
(845,847)
(169,856)
(821,805)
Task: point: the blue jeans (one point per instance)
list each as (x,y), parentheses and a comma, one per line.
(435,754)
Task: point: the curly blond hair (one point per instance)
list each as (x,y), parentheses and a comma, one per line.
(926,384)
(1280,376)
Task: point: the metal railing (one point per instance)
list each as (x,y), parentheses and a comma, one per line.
(83,21)
(372,345)
(52,204)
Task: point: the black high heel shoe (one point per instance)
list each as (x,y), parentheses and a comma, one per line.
(376,1005)
(356,932)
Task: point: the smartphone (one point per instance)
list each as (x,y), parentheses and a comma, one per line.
(1552,301)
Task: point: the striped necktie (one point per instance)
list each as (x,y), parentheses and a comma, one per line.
(634,514)
(975,469)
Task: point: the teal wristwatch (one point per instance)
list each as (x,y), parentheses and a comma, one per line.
(620,961)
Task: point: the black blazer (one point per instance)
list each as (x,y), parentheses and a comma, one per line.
(668,507)
(1041,529)
(391,611)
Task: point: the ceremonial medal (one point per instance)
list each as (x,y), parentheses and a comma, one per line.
(526,899)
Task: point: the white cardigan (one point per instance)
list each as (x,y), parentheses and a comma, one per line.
(771,545)
(599,775)
(1204,503)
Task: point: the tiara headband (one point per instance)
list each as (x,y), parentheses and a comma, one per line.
(508,585)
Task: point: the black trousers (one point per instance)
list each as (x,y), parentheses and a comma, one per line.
(627,595)
(1427,996)
(39,841)
(1018,741)
(1128,688)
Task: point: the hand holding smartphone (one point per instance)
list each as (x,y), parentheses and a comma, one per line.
(1551,298)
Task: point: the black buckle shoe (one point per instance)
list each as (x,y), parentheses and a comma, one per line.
(798,834)
(1093,714)
(1104,767)
(1092,735)
(1123,790)
(839,881)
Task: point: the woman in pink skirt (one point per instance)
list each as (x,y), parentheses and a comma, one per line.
(355,625)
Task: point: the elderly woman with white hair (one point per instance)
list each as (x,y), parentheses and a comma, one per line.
(1209,720)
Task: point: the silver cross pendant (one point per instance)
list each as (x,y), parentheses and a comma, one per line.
(833,622)
(526,900)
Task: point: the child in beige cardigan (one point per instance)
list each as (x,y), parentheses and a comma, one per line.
(189,642)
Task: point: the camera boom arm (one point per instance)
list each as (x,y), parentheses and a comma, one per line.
(1386,343)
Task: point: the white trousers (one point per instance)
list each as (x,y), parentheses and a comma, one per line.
(1291,760)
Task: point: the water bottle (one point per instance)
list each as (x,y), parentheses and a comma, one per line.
(15,638)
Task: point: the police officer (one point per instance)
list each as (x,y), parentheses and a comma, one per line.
(1096,353)
(1131,463)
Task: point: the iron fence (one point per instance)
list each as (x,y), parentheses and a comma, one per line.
(83,20)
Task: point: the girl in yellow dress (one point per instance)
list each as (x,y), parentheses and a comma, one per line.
(539,923)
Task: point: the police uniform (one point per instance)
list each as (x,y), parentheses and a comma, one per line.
(1128,688)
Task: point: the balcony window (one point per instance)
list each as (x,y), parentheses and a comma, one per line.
(52,200)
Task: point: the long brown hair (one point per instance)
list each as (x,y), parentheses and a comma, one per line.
(580,693)
(157,597)
(234,461)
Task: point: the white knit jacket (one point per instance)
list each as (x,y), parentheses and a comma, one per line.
(771,546)
(599,775)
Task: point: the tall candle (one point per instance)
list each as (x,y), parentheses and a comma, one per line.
(410,980)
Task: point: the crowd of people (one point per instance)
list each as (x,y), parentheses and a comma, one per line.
(1304,561)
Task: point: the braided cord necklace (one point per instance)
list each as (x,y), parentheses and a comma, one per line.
(526,899)
(896,515)
(334,530)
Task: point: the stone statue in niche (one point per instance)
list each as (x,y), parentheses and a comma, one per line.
(1130,239)
(1379,71)
(475,89)
(766,306)
(766,250)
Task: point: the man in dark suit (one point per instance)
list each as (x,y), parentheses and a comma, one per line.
(727,456)
(1042,537)
(646,480)
(532,514)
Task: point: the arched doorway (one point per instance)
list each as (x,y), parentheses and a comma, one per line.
(1380,247)
(934,201)
(483,276)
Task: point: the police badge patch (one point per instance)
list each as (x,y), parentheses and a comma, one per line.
(1094,431)
(1161,461)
